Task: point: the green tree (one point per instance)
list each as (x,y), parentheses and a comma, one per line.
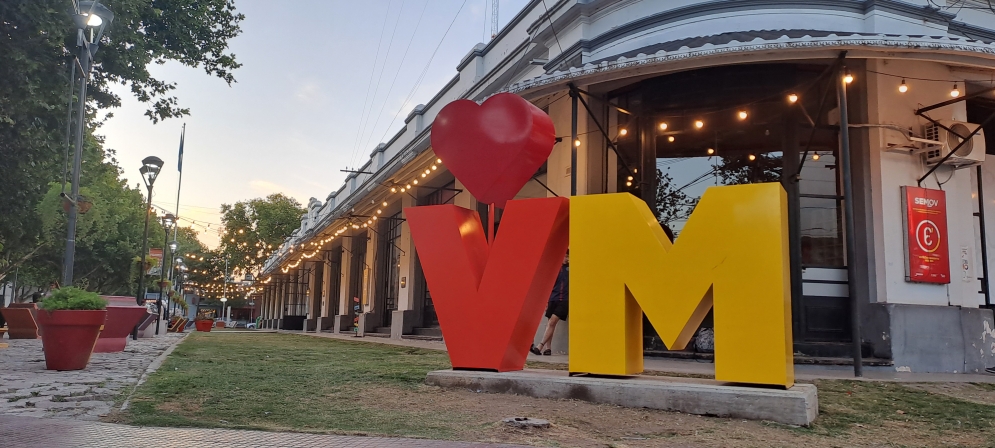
(108,237)
(672,204)
(37,44)
(737,170)
(253,228)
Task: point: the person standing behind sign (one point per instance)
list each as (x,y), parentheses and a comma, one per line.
(557,308)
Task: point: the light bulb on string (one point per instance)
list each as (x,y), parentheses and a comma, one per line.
(438,160)
(816,156)
(742,115)
(903,87)
(623,131)
(710,151)
(577,143)
(393,189)
(955,92)
(671,139)
(663,126)
(384,203)
(699,124)
(847,77)
(752,157)
(792,98)
(434,167)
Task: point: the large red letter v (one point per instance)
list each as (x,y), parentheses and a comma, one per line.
(490,299)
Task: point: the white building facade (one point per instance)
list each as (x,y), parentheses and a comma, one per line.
(675,96)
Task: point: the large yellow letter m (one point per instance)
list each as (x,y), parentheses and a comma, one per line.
(731,254)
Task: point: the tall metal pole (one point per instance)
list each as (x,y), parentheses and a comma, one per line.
(162,277)
(573,141)
(176,225)
(984,239)
(70,255)
(851,246)
(140,295)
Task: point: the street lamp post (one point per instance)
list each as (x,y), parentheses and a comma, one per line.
(94,17)
(173,245)
(167,224)
(224,290)
(247,281)
(150,170)
(173,276)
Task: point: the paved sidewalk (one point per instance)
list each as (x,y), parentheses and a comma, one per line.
(27,389)
(803,372)
(29,432)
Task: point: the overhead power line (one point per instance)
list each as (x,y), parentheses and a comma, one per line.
(376,90)
(369,85)
(421,77)
(392,81)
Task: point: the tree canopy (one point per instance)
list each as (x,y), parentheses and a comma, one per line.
(253,228)
(37,48)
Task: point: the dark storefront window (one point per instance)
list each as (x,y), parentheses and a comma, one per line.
(734,125)
(443,195)
(390,268)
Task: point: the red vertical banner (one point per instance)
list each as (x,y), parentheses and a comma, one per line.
(928,259)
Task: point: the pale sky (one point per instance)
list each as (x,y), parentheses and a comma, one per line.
(294,117)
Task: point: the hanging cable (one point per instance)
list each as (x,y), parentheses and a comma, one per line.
(369,85)
(421,77)
(392,81)
(376,91)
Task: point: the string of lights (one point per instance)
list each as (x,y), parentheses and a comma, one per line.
(352,221)
(666,125)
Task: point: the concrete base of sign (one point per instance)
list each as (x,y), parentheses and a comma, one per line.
(798,405)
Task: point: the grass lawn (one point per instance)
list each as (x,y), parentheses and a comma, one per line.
(300,383)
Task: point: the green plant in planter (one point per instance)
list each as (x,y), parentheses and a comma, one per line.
(72,298)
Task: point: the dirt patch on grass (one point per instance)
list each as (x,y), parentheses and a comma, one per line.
(178,406)
(975,393)
(583,424)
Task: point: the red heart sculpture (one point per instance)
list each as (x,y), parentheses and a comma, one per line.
(493,148)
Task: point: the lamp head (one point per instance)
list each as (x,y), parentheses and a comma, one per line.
(173,245)
(168,220)
(150,170)
(94,16)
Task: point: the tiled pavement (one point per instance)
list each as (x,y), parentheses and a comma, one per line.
(27,389)
(25,432)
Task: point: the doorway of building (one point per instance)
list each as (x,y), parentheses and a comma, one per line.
(442,195)
(334,281)
(358,269)
(390,267)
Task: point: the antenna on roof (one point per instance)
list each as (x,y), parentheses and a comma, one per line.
(494,18)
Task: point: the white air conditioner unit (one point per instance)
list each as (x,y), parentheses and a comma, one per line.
(971,153)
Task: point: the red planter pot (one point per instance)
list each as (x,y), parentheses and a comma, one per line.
(204,325)
(68,337)
(120,321)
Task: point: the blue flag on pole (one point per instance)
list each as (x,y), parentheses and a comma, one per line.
(179,163)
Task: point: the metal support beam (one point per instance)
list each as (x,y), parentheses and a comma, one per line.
(984,239)
(573,140)
(851,246)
